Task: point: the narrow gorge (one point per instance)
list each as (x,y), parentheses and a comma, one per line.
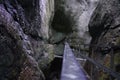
(33,35)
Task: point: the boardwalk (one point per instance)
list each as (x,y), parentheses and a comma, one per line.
(71,70)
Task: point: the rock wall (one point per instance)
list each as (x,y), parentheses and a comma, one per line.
(104,29)
(24,51)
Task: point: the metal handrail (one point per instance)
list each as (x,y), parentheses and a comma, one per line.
(107,70)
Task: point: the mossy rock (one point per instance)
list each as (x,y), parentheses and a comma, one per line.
(48,56)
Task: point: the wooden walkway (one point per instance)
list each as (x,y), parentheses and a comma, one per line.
(71,69)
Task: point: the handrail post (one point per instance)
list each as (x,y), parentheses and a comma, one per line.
(112,66)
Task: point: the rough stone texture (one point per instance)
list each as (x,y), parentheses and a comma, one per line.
(23,36)
(30,34)
(105,31)
(47,13)
(30,70)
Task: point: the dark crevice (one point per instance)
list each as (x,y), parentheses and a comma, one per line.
(54,71)
(10,9)
(117,26)
(62,22)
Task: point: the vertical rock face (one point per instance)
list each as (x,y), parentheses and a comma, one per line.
(105,30)
(46,13)
(83,21)
(23,33)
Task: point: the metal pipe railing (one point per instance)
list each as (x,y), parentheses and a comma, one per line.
(107,70)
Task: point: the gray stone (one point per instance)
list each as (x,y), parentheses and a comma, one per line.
(104,29)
